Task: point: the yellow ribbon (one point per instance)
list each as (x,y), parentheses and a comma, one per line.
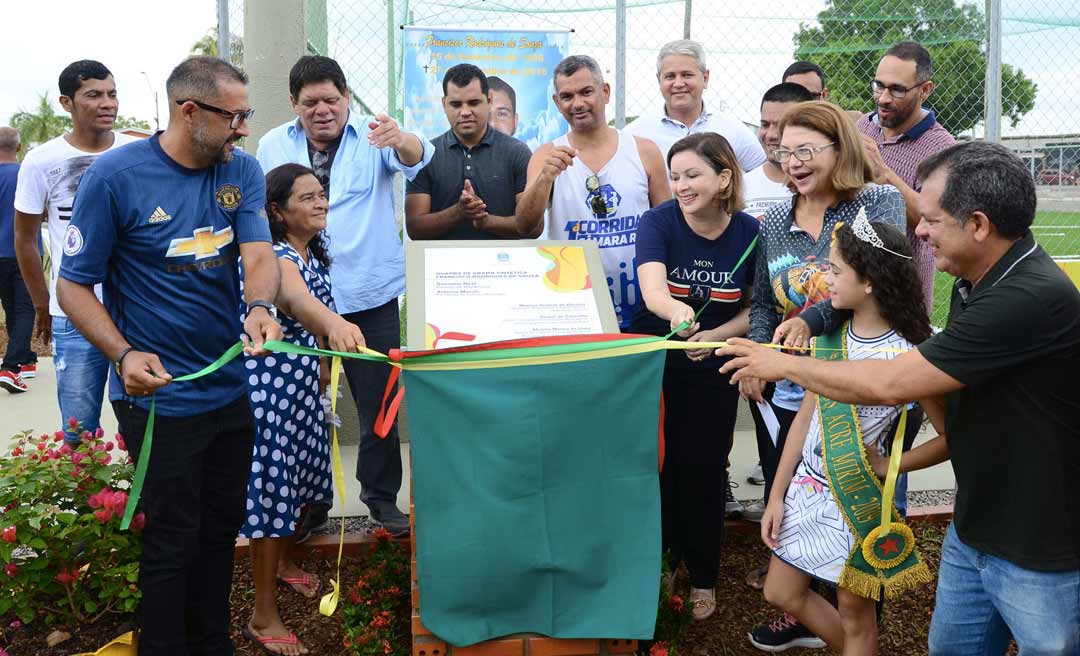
(894,470)
(328,604)
(124,645)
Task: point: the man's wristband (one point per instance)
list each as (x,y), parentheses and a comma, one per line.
(120,360)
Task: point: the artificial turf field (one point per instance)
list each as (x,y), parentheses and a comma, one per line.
(1057,232)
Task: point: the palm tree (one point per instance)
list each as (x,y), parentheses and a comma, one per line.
(38,127)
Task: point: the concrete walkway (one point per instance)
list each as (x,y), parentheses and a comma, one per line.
(37,411)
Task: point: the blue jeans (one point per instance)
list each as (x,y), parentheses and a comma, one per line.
(982,600)
(81,374)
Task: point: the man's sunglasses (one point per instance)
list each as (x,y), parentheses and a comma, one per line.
(235,118)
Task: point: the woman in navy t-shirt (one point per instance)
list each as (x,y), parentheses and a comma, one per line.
(697,251)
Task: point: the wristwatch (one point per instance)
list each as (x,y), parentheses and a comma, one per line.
(267,305)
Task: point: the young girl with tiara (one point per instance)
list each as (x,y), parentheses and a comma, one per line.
(829,516)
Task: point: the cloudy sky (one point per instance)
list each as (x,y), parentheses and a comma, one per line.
(128,36)
(748,46)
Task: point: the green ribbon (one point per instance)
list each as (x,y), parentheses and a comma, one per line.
(277,346)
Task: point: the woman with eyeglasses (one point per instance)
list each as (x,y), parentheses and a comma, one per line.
(822,155)
(695,264)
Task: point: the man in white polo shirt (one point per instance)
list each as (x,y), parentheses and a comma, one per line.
(683,76)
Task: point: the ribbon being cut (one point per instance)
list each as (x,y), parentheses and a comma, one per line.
(535,479)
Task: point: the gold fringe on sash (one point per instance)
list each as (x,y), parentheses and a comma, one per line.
(865,585)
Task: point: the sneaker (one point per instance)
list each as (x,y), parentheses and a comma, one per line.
(702,603)
(783,634)
(731,504)
(391,519)
(756,476)
(12,382)
(753,511)
(28,370)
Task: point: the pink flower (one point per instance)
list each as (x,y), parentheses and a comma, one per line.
(65,449)
(138,522)
(99,433)
(11,569)
(58,435)
(676,603)
(10,534)
(16,452)
(65,577)
(72,422)
(103,515)
(76,457)
(16,624)
(120,441)
(109,446)
(659,649)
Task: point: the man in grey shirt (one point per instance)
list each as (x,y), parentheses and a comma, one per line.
(470,188)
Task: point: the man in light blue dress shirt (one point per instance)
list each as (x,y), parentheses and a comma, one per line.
(355,157)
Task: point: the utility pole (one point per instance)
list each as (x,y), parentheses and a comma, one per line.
(993,71)
(224,47)
(157,119)
(620,64)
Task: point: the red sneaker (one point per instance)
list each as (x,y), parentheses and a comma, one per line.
(28,370)
(12,382)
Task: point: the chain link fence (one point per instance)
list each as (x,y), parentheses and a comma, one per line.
(750,44)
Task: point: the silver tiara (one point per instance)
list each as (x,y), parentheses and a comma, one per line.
(865,232)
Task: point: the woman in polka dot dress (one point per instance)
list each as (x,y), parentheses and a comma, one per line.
(291,461)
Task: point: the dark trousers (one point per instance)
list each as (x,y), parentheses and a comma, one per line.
(194,497)
(378,467)
(767,452)
(18,315)
(700,408)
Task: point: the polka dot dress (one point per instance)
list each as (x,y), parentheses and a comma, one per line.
(291,462)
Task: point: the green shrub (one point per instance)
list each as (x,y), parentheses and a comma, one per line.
(65,558)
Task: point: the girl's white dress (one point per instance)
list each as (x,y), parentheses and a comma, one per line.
(813,535)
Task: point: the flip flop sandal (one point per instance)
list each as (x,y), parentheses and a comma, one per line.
(265,641)
(309,581)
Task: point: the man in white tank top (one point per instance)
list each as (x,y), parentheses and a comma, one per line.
(594,182)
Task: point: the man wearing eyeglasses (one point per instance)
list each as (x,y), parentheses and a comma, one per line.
(900,134)
(162,223)
(594,182)
(504,114)
(355,157)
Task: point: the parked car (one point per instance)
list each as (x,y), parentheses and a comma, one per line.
(1055,177)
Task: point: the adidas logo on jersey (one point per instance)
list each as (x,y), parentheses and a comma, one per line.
(159,216)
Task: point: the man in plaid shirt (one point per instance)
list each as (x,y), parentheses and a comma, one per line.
(900,134)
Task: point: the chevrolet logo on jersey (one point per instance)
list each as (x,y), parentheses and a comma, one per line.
(205,243)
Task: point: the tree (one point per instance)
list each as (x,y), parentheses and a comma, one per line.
(39,126)
(852,35)
(123,122)
(208,46)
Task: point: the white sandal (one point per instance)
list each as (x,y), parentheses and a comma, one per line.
(703,602)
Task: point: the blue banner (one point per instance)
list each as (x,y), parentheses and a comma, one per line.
(523,60)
